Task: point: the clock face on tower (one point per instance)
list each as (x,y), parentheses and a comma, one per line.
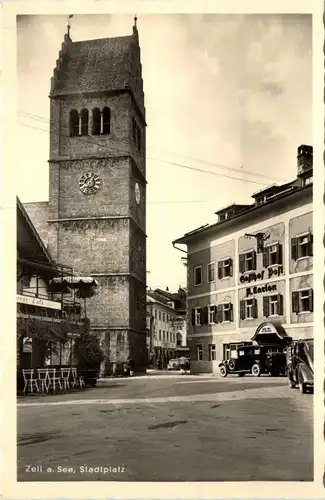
(137,193)
(89,183)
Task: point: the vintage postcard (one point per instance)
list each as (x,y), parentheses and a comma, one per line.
(164,335)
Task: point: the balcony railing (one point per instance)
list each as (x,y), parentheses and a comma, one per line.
(41,305)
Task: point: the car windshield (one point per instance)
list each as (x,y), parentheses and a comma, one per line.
(310,349)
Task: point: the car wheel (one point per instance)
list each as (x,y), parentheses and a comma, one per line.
(223,371)
(256,370)
(231,365)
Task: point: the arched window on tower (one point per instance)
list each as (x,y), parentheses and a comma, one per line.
(84,117)
(106,121)
(96,121)
(74,123)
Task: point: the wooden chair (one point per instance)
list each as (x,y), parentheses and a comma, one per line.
(43,379)
(53,379)
(77,380)
(65,376)
(29,381)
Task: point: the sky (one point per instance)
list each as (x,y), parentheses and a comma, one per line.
(228,101)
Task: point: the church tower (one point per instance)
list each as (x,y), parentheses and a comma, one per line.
(97,202)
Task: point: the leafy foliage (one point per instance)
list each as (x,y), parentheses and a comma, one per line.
(87,349)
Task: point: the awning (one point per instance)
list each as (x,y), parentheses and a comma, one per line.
(271,332)
(76,281)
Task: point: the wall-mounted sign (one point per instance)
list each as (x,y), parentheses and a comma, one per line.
(27,344)
(267,329)
(271,272)
(33,301)
(260,289)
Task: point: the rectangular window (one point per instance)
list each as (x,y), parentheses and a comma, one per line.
(212,314)
(164,337)
(302,246)
(272,255)
(247,261)
(248,309)
(226,312)
(198,275)
(155,314)
(303,301)
(160,335)
(199,352)
(212,352)
(197,316)
(167,336)
(273,305)
(211,272)
(159,315)
(225,268)
(163,317)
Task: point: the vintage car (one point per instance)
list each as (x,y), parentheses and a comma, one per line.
(247,357)
(300,364)
(239,358)
(173,364)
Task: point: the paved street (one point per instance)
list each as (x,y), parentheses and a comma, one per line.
(169,429)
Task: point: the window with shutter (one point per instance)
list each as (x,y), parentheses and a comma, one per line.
(294,249)
(205,315)
(280,304)
(219,313)
(220,270)
(242,263)
(231,272)
(253,260)
(310,245)
(266,257)
(266,307)
(242,309)
(279,254)
(231,312)
(295,302)
(311,300)
(255,312)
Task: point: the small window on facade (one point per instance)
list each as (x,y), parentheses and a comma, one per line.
(106,121)
(163,335)
(199,352)
(84,117)
(272,255)
(273,305)
(74,123)
(155,314)
(302,301)
(302,246)
(225,312)
(212,314)
(211,272)
(197,316)
(247,261)
(212,352)
(198,275)
(159,334)
(96,121)
(225,268)
(159,315)
(248,309)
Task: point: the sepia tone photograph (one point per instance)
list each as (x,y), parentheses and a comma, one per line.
(165,248)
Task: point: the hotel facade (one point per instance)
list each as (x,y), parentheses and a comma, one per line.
(254,266)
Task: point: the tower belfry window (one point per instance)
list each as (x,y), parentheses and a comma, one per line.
(96,122)
(84,119)
(106,129)
(74,123)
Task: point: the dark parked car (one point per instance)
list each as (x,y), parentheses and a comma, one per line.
(300,364)
(239,358)
(246,357)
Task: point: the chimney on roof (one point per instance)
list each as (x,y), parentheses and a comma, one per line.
(167,289)
(304,159)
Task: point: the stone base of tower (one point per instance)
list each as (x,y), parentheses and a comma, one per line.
(118,345)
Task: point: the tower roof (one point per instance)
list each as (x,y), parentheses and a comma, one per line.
(105,64)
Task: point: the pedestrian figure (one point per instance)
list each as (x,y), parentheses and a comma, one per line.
(125,368)
(130,366)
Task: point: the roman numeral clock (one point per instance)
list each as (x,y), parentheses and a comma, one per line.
(89,183)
